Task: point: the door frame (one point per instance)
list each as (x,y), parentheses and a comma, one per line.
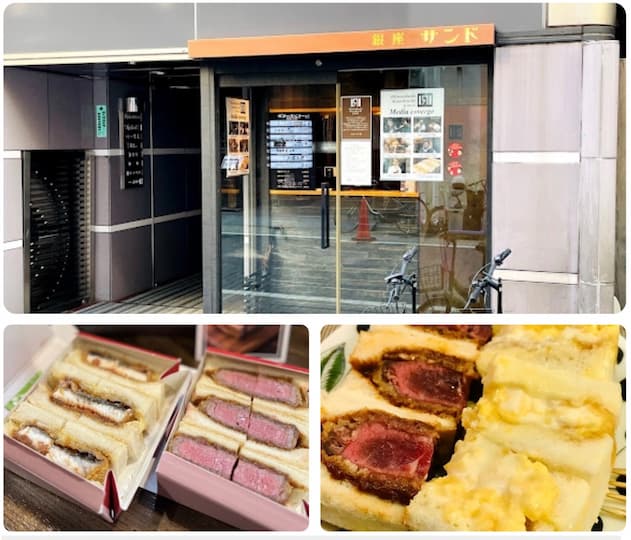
(211,83)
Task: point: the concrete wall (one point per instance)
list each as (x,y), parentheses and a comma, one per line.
(554,159)
(52,27)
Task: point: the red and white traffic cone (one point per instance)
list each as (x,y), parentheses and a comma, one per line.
(363,226)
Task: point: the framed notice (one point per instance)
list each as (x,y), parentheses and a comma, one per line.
(290,150)
(356,146)
(236,162)
(131,137)
(412,132)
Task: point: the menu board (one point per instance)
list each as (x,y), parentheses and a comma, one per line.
(356,143)
(237,159)
(412,126)
(290,150)
(132,140)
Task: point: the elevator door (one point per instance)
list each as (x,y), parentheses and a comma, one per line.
(56,235)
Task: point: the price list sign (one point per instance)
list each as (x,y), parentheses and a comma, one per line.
(132,137)
(290,150)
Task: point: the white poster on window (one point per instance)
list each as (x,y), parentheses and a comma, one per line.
(237,159)
(356,146)
(411,142)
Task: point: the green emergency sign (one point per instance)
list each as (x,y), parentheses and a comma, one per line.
(101,121)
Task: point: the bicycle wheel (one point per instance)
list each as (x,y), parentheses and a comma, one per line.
(423,216)
(350,220)
(408,223)
(436,304)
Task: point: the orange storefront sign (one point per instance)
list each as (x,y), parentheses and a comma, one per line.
(369,40)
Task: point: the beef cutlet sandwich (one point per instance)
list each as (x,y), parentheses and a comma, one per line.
(539,443)
(249,425)
(392,417)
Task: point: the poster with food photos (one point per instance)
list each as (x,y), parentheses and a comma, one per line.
(237,159)
(411,141)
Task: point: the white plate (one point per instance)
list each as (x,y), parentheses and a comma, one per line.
(346,337)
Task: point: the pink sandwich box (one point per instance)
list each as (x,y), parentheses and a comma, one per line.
(29,354)
(209,493)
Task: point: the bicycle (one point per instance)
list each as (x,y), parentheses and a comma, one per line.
(477,298)
(441,289)
(405,213)
(397,283)
(480,288)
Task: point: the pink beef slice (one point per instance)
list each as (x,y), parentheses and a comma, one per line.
(242,381)
(214,458)
(430,383)
(278,390)
(263,480)
(228,413)
(272,388)
(383,449)
(273,432)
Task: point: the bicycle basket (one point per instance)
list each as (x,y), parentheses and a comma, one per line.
(431,278)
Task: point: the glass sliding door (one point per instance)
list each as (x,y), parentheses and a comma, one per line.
(422,194)
(325,186)
(276,257)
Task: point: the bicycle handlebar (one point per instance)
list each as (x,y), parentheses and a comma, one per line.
(499,259)
(407,257)
(487,280)
(409,254)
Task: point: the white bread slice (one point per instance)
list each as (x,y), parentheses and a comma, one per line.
(573,508)
(197,424)
(144,406)
(75,435)
(64,370)
(551,383)
(343,505)
(589,458)
(129,433)
(40,397)
(373,344)
(587,350)
(284,413)
(26,414)
(155,389)
(294,463)
(207,387)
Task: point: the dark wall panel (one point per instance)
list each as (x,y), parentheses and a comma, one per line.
(178,249)
(193,182)
(177,183)
(169,181)
(176,119)
(128,204)
(171,250)
(131,262)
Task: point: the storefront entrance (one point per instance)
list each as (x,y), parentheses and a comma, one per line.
(313,224)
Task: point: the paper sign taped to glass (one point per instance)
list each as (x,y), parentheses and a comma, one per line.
(412,131)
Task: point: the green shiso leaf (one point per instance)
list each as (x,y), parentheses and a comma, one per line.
(334,370)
